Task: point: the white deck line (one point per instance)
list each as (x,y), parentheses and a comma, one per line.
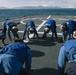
(22,22)
(40,25)
(43,23)
(49,33)
(41,32)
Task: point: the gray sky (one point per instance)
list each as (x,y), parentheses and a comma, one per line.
(18,3)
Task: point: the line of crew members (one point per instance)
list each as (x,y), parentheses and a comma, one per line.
(67,28)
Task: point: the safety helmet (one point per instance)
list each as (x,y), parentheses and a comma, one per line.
(74,34)
(31,30)
(14,28)
(62,27)
(47,29)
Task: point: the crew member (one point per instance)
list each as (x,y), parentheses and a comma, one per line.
(50,25)
(8,26)
(30,27)
(67,28)
(67,54)
(12,58)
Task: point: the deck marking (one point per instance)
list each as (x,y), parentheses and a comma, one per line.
(43,23)
(41,32)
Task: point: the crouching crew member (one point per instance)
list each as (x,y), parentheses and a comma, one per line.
(67,54)
(8,26)
(67,29)
(13,57)
(30,28)
(50,25)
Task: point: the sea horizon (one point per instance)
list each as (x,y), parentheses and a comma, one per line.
(12,13)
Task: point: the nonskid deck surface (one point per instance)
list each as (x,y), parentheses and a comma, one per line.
(44,51)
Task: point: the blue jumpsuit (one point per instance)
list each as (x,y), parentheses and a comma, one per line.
(7,25)
(67,53)
(52,25)
(71,24)
(13,56)
(32,25)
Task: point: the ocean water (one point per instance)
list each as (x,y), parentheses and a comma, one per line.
(12,13)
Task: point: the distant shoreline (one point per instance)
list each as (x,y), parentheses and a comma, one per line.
(35,7)
(31,8)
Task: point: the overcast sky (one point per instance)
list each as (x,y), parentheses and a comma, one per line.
(19,3)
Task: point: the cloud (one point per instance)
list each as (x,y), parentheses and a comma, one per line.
(4,3)
(72,3)
(17,3)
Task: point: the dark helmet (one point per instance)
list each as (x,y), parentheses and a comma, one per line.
(14,28)
(74,34)
(63,27)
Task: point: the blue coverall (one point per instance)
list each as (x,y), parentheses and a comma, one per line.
(71,24)
(13,56)
(67,53)
(6,26)
(52,25)
(26,31)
